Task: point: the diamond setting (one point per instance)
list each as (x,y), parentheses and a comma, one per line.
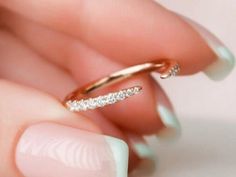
(174,70)
(101,101)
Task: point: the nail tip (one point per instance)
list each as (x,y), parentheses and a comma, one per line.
(172,130)
(120,151)
(169,135)
(223,66)
(64,151)
(143,151)
(225,62)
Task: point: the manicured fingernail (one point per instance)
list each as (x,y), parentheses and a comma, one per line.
(225,60)
(172,128)
(147,165)
(140,147)
(53,150)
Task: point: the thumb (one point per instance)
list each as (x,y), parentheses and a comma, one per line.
(39,138)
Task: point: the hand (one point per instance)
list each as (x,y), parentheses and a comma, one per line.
(50,47)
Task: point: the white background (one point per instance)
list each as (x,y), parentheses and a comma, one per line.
(206,109)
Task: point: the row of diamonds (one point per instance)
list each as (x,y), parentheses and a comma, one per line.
(174,70)
(101,101)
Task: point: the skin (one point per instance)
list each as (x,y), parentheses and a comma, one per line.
(48,48)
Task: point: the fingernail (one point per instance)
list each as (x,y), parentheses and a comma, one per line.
(54,150)
(172,128)
(225,60)
(147,165)
(140,146)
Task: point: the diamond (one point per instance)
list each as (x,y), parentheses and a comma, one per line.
(82,105)
(174,70)
(129,92)
(137,90)
(72,105)
(92,103)
(111,98)
(101,101)
(120,95)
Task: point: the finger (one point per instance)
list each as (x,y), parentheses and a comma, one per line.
(40,69)
(52,142)
(49,78)
(146,120)
(141,29)
(147,164)
(31,69)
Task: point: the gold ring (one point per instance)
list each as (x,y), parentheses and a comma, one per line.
(78,100)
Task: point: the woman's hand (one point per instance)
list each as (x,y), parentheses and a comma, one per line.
(50,47)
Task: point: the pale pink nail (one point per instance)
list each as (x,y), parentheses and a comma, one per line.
(52,150)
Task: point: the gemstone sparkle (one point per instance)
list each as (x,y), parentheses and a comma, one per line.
(104,100)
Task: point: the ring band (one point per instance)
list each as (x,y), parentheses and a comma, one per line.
(78,100)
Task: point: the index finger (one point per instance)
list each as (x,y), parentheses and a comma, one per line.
(141,29)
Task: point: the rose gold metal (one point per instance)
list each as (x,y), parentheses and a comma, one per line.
(165,67)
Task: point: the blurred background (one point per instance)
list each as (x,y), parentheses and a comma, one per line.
(206,109)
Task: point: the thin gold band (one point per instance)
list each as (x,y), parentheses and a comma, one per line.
(165,67)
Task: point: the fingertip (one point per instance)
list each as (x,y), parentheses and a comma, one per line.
(50,149)
(171,128)
(224,59)
(22,107)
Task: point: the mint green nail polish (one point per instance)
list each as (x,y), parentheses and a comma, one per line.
(120,151)
(225,60)
(172,128)
(143,150)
